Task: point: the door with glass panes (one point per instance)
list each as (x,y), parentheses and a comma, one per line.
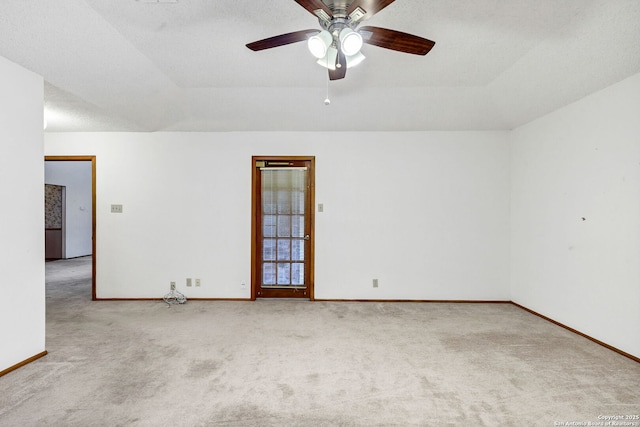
(282,257)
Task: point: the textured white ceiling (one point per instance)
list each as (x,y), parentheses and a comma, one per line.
(136,66)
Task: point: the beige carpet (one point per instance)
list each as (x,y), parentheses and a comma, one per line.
(293,363)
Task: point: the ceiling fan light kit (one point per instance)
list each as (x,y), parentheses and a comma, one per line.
(337,45)
(350,41)
(354,60)
(320,43)
(329,61)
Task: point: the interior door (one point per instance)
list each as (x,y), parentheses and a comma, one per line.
(283,200)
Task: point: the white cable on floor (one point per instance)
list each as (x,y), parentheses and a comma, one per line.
(174,297)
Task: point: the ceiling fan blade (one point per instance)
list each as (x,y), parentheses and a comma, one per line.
(396,40)
(341,68)
(281,40)
(313,5)
(370,7)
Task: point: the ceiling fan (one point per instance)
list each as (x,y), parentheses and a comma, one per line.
(337,45)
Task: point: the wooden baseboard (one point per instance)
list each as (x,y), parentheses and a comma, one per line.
(161,299)
(456,301)
(418,301)
(575,331)
(24,362)
(127,299)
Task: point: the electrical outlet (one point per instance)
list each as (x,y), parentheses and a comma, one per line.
(188,282)
(173,286)
(375,283)
(197,283)
(116,208)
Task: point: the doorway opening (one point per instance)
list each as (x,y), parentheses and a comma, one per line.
(80,208)
(282,228)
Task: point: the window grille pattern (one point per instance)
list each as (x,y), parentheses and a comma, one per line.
(283,195)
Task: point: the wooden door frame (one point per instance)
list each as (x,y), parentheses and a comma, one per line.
(91,159)
(255,274)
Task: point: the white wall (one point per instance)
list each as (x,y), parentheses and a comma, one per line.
(425,213)
(582,161)
(22,316)
(76,177)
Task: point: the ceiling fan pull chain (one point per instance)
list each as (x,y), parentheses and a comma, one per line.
(327,101)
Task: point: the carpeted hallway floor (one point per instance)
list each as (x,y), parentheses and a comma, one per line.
(293,363)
